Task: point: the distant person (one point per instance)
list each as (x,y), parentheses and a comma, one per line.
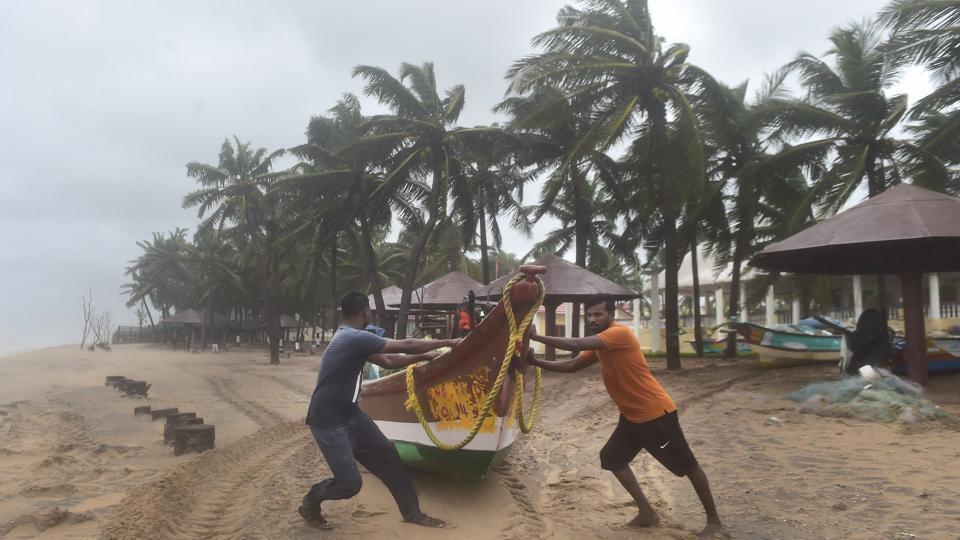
(464,320)
(344,433)
(648,416)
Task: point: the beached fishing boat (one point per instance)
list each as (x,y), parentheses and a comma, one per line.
(451,392)
(943,356)
(779,348)
(716,346)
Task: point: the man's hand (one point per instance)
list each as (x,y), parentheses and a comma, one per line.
(530,357)
(532,332)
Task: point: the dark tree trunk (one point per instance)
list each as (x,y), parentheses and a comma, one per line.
(153,327)
(334,255)
(484,259)
(697,322)
(875,186)
(373,274)
(272,304)
(413,262)
(670,240)
(733,312)
(207,317)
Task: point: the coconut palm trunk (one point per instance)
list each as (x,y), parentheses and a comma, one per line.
(205,327)
(697,322)
(484,258)
(671,312)
(416,252)
(733,312)
(373,273)
(153,327)
(333,278)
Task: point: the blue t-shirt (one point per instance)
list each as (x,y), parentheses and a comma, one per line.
(335,398)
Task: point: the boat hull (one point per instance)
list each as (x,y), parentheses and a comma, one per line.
(943,357)
(713,347)
(451,391)
(776,349)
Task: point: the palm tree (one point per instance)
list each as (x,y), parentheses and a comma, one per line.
(928,31)
(553,128)
(211,262)
(751,175)
(847,104)
(421,127)
(608,57)
(237,192)
(351,174)
(159,274)
(488,185)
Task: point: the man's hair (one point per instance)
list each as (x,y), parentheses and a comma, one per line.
(353,303)
(604,299)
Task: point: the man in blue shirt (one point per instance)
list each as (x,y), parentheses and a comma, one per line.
(344,433)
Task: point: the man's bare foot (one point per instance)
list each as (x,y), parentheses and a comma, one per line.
(714,529)
(645,519)
(426,521)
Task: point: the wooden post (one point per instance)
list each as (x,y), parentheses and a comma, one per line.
(916,351)
(551,328)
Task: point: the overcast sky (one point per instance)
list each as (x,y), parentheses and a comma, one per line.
(103,103)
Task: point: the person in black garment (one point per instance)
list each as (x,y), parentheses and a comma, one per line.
(344,433)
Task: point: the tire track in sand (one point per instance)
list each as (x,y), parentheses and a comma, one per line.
(222,493)
(527,519)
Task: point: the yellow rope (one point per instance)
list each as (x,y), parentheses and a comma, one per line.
(524,426)
(515,337)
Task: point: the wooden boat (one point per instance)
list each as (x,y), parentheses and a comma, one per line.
(943,356)
(451,391)
(778,348)
(717,346)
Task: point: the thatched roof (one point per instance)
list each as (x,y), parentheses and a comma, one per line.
(188,317)
(391,297)
(904,229)
(446,292)
(566,282)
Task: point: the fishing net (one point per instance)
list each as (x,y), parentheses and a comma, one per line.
(874,395)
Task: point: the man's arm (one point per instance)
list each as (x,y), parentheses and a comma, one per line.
(570,365)
(589,343)
(396,361)
(416,346)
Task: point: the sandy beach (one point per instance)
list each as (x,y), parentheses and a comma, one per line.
(76,463)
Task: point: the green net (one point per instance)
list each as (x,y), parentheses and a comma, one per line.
(875,395)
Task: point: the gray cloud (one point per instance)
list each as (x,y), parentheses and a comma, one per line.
(103,103)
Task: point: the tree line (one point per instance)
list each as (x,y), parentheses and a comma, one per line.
(641,156)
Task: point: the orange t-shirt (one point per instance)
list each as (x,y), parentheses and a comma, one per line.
(627,376)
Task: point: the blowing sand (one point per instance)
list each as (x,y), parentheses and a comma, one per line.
(76,463)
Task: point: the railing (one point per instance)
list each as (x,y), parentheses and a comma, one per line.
(949,311)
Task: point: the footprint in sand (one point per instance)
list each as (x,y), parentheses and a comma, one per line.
(362,513)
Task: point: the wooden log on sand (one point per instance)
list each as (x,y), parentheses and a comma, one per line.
(174,420)
(193,438)
(162,413)
(145,409)
(136,388)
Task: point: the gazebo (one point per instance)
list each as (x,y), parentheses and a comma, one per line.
(565,282)
(906,230)
(443,294)
(191,321)
(391,298)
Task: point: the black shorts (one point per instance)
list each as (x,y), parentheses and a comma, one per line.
(662,437)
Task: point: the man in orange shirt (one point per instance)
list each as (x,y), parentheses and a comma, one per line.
(648,416)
